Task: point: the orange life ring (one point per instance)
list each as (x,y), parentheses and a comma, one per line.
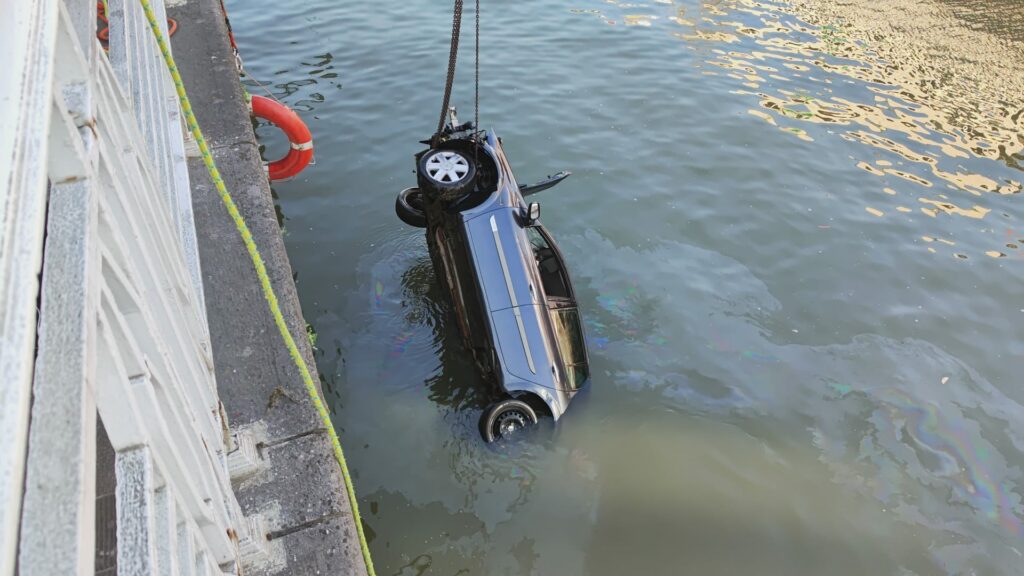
(298,134)
(104,34)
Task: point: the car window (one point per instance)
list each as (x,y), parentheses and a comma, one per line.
(552,271)
(569,335)
(578,375)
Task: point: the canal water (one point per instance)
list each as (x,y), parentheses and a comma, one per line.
(796,233)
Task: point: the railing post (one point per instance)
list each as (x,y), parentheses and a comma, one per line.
(27,30)
(136,513)
(83,21)
(57,532)
(58,518)
(166,533)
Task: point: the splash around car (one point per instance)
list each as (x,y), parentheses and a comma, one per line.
(508,283)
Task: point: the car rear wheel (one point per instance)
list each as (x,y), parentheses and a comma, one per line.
(448,174)
(507,419)
(409,207)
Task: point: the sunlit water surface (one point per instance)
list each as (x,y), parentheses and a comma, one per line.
(795,231)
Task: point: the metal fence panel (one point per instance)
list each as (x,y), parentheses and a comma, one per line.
(123,329)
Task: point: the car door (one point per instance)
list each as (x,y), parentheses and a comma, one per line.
(561,306)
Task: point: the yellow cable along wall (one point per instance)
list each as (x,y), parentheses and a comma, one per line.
(261,274)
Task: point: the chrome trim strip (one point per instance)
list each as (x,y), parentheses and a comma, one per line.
(512,294)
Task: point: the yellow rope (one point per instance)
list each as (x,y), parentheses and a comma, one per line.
(261,274)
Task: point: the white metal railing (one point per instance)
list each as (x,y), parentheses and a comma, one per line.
(95,196)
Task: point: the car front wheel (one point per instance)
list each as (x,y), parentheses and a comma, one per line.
(506,419)
(446,174)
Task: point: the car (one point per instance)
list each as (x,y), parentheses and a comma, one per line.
(509,286)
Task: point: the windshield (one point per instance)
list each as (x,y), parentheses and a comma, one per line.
(569,334)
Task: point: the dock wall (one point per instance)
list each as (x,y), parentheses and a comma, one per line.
(298,488)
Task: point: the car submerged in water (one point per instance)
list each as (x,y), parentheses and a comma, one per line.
(507,280)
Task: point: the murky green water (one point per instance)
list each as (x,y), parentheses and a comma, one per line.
(796,233)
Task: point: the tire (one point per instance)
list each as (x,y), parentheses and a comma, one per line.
(446,174)
(409,208)
(506,419)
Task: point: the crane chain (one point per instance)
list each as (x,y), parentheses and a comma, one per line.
(452,56)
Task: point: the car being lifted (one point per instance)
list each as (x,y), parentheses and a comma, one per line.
(509,286)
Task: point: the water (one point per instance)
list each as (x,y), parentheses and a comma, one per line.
(795,231)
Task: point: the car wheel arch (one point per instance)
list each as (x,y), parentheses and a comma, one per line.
(539,405)
(528,393)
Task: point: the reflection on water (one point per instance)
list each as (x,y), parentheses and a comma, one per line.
(455,384)
(321,75)
(909,418)
(934,105)
(794,229)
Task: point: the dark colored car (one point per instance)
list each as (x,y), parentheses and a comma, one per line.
(506,277)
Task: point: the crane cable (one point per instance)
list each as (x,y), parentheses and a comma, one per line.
(476,89)
(453,55)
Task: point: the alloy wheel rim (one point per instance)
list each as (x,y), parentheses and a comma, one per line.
(448,167)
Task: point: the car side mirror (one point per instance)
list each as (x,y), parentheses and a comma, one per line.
(533,214)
